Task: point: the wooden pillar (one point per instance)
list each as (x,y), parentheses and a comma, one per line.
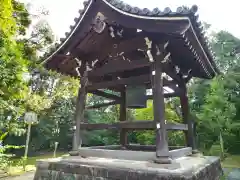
(162,150)
(123,117)
(80,108)
(190,135)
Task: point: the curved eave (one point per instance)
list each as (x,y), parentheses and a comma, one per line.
(181,14)
(68,35)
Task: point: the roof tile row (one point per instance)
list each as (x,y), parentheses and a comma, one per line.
(167,12)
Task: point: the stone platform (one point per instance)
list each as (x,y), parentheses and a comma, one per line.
(94,168)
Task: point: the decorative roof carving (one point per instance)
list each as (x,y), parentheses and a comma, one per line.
(181,11)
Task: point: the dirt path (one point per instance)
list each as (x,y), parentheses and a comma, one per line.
(26,176)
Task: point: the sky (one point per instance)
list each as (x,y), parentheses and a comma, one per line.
(222,15)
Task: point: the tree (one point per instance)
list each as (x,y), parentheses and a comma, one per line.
(226,46)
(20,70)
(216,102)
(13,65)
(216,114)
(21,16)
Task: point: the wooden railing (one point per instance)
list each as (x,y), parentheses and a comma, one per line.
(135,125)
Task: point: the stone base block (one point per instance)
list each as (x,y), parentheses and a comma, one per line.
(92,168)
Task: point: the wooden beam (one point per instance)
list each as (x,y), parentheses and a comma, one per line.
(122,118)
(135,125)
(95,106)
(104,94)
(124,81)
(79,114)
(102,85)
(166,83)
(162,150)
(120,65)
(190,138)
(170,70)
(168,95)
(188,78)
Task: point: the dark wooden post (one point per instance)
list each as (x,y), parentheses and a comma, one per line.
(162,150)
(123,117)
(80,107)
(190,135)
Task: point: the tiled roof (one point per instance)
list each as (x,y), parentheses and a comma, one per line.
(181,11)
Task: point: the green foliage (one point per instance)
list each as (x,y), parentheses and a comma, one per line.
(13,87)
(148,137)
(104,115)
(225,45)
(18,57)
(217,114)
(7,21)
(216,102)
(145,137)
(21,15)
(5,157)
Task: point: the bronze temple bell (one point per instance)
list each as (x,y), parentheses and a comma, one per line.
(136,97)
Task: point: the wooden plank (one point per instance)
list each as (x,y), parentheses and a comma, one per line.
(134,147)
(124,81)
(140,147)
(103,105)
(181,152)
(134,155)
(135,125)
(109,147)
(104,94)
(175,153)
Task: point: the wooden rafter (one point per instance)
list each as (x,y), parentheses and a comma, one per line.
(124,81)
(119,65)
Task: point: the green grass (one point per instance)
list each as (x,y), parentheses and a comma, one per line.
(17,168)
(232,161)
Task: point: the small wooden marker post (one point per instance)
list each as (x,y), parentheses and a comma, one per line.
(30,118)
